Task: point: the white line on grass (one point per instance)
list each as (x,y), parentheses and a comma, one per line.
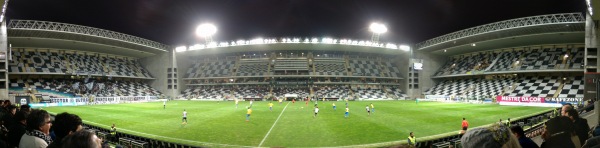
(267,135)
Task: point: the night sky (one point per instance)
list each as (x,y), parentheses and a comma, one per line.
(173,22)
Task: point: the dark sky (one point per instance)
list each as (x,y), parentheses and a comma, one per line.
(173,22)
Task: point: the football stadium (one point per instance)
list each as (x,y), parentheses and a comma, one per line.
(489,85)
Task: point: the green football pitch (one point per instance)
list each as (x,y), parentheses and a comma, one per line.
(221,124)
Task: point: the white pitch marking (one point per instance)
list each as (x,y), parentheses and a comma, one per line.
(267,135)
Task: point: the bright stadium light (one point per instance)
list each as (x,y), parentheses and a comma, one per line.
(206,31)
(405,47)
(180,49)
(377,30)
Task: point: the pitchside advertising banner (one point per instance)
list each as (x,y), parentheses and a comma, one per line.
(536,101)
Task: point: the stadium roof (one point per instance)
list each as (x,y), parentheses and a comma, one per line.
(43,34)
(534,30)
(276,47)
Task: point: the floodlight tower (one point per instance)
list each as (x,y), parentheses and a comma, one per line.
(206,31)
(377,30)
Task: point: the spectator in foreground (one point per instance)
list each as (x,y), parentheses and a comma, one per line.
(16,131)
(523,141)
(580,125)
(38,130)
(82,139)
(495,136)
(558,133)
(65,124)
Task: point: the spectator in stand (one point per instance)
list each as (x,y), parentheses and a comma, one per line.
(38,130)
(495,136)
(581,125)
(523,141)
(8,118)
(558,133)
(563,111)
(64,125)
(26,108)
(17,130)
(82,139)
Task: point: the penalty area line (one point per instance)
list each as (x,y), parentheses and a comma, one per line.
(267,135)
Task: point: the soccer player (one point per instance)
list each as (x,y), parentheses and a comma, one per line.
(251,102)
(271,106)
(280,100)
(248,114)
(347,114)
(293,101)
(306,102)
(236,103)
(333,106)
(368,110)
(372,108)
(184,120)
(316,111)
(165,104)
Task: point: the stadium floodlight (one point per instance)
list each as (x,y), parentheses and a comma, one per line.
(377,30)
(206,31)
(405,47)
(180,49)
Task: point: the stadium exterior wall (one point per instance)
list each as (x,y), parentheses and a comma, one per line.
(157,66)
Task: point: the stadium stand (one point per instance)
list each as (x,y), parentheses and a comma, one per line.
(514,60)
(364,67)
(540,86)
(56,62)
(330,66)
(250,92)
(254,67)
(332,92)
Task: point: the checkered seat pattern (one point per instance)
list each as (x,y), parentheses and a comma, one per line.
(85,64)
(446,69)
(371,94)
(336,92)
(393,69)
(572,88)
(333,66)
(396,92)
(536,86)
(364,68)
(218,69)
(577,61)
(452,87)
(505,61)
(537,59)
(195,70)
(247,92)
(490,87)
(38,62)
(213,94)
(252,69)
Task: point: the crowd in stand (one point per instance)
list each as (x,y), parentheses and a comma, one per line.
(24,127)
(88,87)
(568,130)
